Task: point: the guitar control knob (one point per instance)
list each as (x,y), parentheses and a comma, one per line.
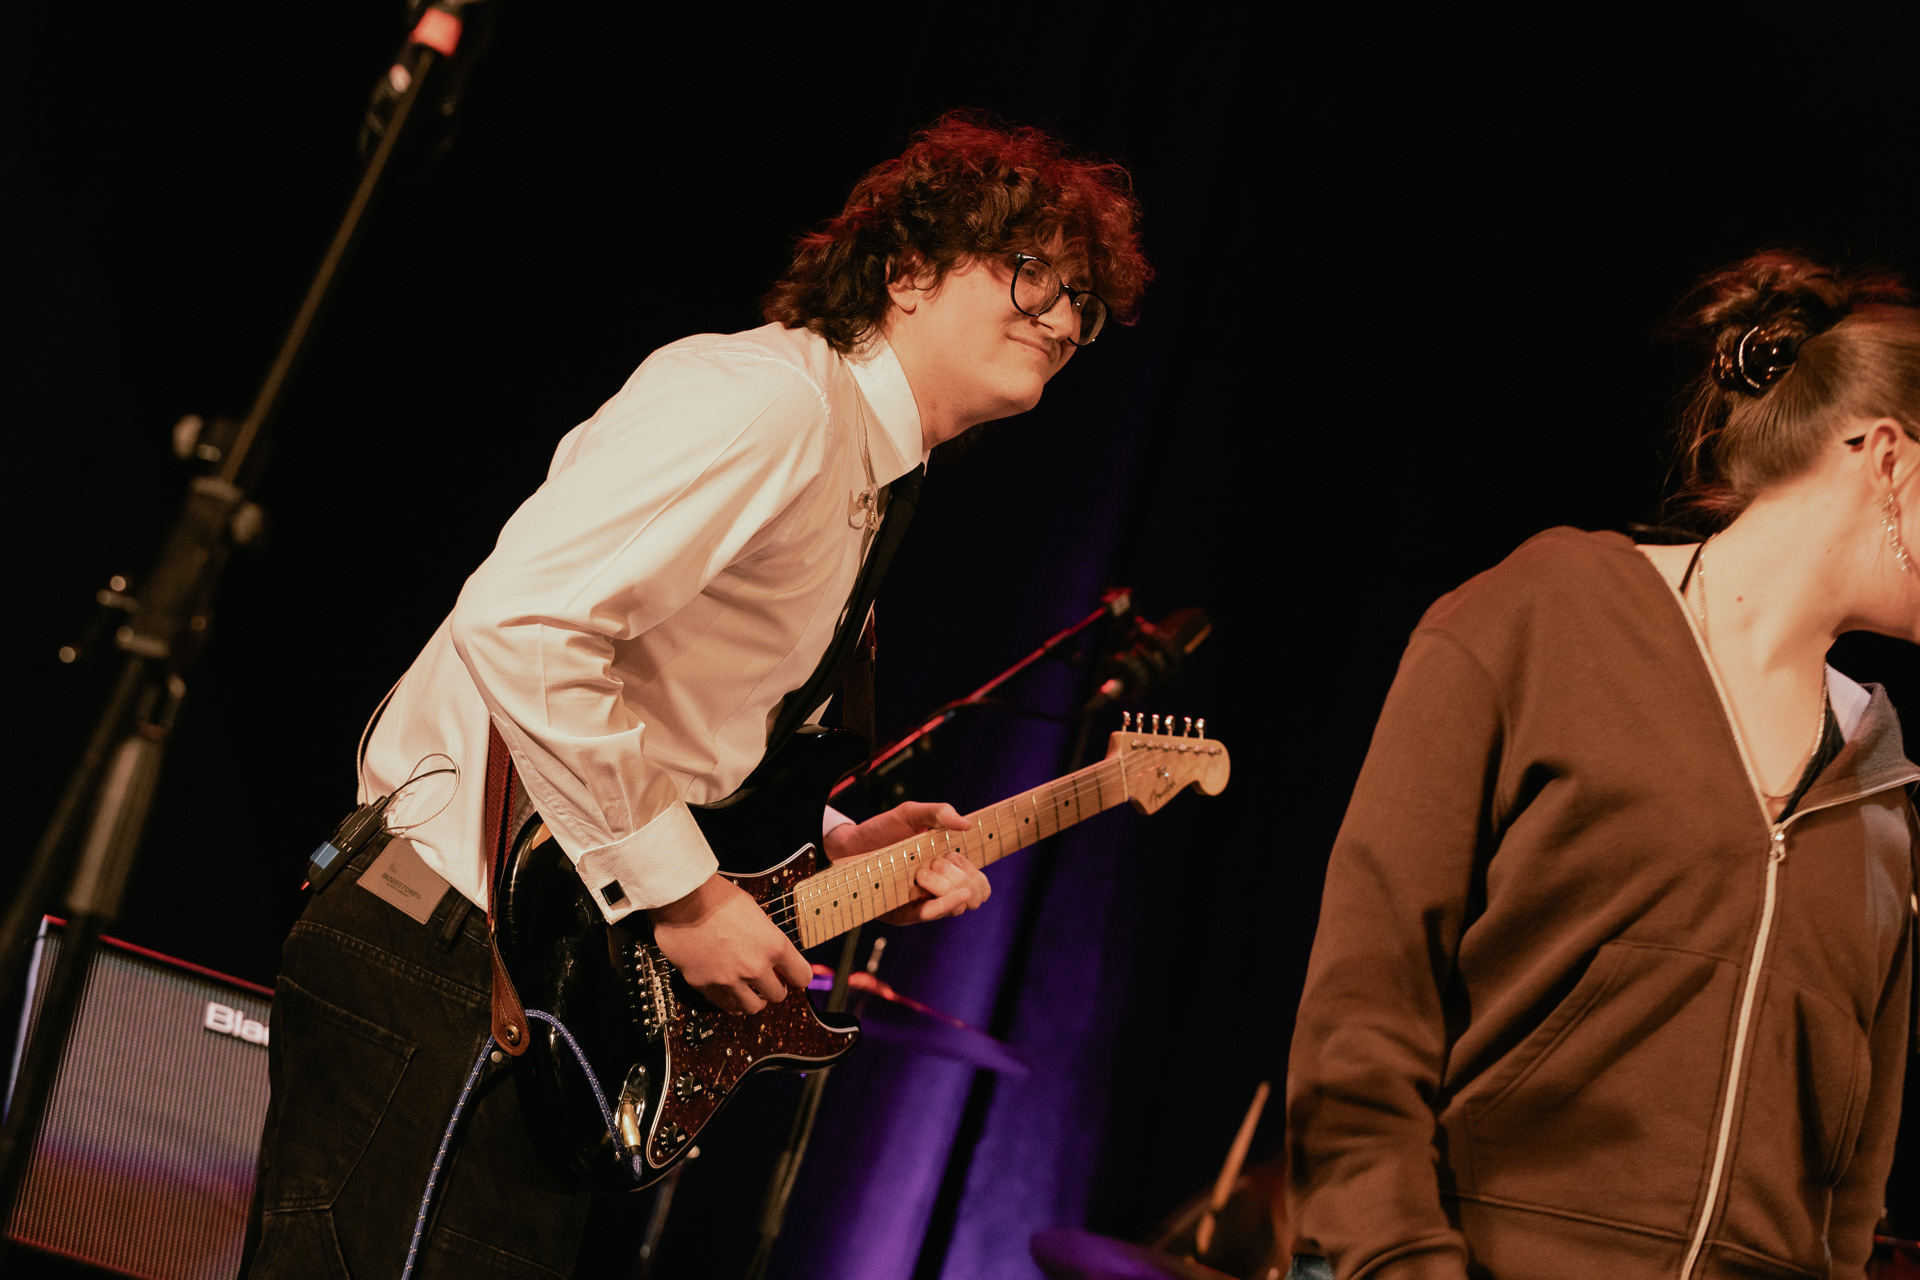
(688,1086)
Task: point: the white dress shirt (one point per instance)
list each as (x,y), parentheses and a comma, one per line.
(680,572)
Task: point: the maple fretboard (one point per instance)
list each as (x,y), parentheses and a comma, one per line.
(856,890)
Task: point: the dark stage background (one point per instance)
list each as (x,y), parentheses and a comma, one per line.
(1409,276)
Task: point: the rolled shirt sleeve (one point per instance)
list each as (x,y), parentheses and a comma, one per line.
(664,488)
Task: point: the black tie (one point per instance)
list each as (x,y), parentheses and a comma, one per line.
(902,496)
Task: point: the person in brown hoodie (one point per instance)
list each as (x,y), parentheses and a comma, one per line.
(1614,968)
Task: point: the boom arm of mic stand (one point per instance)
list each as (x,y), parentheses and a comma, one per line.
(1114,603)
(120,767)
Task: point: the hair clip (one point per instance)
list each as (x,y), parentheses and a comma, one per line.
(1756,365)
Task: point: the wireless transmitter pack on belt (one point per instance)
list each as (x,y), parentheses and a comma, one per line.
(359,830)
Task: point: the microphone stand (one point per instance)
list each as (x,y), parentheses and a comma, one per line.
(786,1169)
(110,792)
(1116,603)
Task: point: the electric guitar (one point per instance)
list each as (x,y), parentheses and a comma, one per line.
(665,1059)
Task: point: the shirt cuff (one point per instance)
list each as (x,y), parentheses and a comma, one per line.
(833,821)
(662,862)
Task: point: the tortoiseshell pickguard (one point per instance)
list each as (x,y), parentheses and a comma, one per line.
(663,1057)
(709,1052)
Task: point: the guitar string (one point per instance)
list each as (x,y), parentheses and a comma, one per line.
(1070,792)
(845,876)
(1090,780)
(1063,794)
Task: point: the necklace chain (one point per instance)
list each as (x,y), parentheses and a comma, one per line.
(1819,725)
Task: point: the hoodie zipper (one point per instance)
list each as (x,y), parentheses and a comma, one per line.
(1776,854)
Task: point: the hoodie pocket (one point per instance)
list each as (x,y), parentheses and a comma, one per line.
(1606,1109)
(1805,1092)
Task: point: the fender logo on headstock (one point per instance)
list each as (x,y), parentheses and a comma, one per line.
(1156,765)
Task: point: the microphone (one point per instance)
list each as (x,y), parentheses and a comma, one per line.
(436,30)
(1149,656)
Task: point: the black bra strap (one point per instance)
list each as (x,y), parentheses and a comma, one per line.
(1692,564)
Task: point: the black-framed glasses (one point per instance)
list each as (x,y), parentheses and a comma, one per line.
(1037,286)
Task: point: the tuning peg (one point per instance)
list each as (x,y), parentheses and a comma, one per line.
(1187,732)
(1156,724)
(1201,725)
(1126,721)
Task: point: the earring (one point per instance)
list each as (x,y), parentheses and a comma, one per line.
(1892,524)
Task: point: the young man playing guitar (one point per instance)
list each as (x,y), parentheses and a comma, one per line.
(691,565)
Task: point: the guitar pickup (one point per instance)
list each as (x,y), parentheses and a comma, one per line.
(688,1087)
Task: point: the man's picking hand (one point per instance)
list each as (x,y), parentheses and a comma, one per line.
(950,884)
(724,944)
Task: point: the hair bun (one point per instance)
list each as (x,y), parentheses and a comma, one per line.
(1753,317)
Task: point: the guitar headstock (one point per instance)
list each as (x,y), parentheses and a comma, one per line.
(1159,765)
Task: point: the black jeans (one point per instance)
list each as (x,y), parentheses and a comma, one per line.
(376,1021)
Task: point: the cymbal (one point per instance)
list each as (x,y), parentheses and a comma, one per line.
(1066,1254)
(894,1018)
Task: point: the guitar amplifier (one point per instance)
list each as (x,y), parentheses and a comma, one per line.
(145,1162)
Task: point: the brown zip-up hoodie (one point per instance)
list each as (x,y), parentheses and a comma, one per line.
(1576,1008)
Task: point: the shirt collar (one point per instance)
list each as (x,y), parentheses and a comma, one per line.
(896,447)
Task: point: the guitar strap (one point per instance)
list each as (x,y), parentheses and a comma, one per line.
(848,659)
(509,1016)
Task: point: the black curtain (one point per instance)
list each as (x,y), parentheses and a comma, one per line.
(1409,278)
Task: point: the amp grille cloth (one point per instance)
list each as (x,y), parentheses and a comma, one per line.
(145,1164)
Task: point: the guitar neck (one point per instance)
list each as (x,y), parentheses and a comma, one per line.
(856,890)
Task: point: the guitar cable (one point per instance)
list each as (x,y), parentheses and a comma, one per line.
(459,1108)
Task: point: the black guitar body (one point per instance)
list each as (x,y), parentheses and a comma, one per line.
(778,812)
(665,1059)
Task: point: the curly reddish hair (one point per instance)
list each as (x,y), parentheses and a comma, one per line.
(965,187)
